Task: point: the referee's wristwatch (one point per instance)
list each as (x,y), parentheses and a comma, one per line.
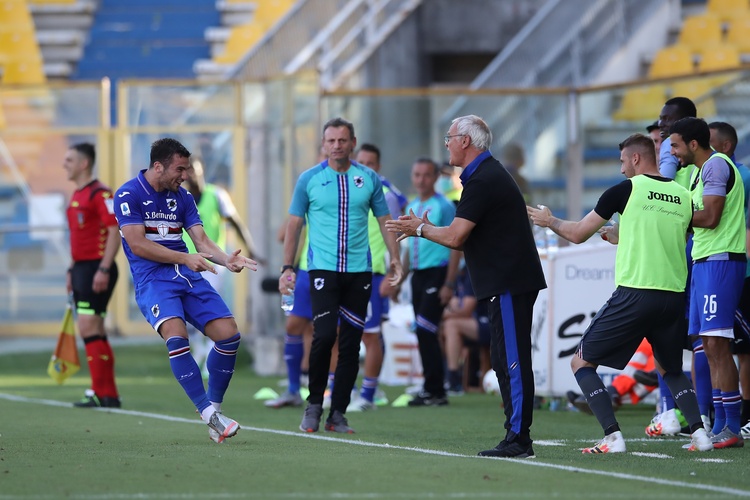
(419,230)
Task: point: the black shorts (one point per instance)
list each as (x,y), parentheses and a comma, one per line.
(741,344)
(629,315)
(82,277)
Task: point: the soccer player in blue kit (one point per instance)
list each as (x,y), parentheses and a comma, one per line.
(152,210)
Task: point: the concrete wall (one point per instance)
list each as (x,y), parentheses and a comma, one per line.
(445,27)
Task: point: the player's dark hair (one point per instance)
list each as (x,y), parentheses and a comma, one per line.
(644,145)
(371,148)
(86,149)
(429,161)
(685,107)
(339,122)
(692,129)
(726,131)
(164,150)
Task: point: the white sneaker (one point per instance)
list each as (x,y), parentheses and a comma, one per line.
(707,424)
(222,427)
(664,424)
(699,441)
(286,399)
(745,431)
(360,404)
(413,390)
(380,397)
(614,443)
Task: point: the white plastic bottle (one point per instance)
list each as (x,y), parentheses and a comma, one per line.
(287,301)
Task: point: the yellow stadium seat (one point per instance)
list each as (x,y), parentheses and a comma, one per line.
(727,10)
(671,61)
(269,12)
(18,44)
(738,33)
(53,2)
(717,57)
(699,31)
(14,13)
(692,88)
(241,39)
(27,71)
(641,103)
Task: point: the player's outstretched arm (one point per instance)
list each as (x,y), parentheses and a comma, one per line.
(575,232)
(210,250)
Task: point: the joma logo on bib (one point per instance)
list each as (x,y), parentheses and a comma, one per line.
(664,197)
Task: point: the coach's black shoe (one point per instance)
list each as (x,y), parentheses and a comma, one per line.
(91,400)
(509,450)
(427,399)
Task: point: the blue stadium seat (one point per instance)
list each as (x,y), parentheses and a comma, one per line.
(147,39)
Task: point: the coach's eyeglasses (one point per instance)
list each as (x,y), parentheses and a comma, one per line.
(447,138)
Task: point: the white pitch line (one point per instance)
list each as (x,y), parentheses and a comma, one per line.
(650,455)
(425,451)
(714,460)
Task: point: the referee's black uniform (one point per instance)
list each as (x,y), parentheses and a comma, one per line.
(506,274)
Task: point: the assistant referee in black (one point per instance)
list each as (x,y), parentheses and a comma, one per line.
(492,228)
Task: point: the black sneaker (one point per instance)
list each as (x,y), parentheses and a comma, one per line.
(91,400)
(509,450)
(338,423)
(427,399)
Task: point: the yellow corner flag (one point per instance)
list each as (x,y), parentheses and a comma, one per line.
(64,362)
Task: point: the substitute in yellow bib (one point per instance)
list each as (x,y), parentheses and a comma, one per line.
(650,274)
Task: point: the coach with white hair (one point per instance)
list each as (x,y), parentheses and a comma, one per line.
(492,228)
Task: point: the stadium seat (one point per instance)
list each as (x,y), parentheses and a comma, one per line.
(671,61)
(717,57)
(697,89)
(699,31)
(14,13)
(18,44)
(728,10)
(27,71)
(738,33)
(53,2)
(244,36)
(640,103)
(241,38)
(270,11)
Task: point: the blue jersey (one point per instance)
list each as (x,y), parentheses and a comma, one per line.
(337,206)
(164,215)
(424,253)
(400,197)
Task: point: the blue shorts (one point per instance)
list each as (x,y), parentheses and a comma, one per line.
(377,309)
(715,291)
(302,305)
(196,302)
